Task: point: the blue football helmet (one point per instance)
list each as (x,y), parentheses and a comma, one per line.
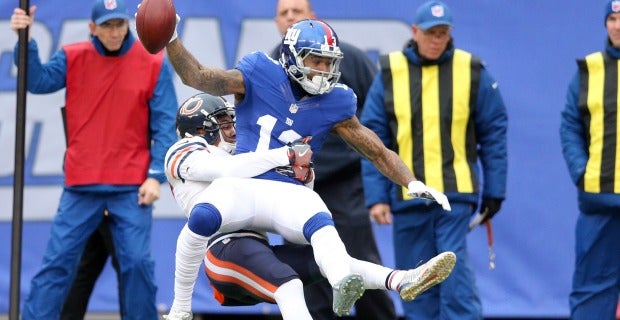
(201,111)
(311,37)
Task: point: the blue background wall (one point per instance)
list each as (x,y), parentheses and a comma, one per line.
(529,46)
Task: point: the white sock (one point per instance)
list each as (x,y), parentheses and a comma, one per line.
(374,275)
(394,279)
(290,300)
(330,254)
(191,249)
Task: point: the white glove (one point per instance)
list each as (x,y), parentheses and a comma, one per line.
(174,34)
(417,189)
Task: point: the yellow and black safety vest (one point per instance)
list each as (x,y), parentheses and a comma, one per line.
(598,103)
(431,110)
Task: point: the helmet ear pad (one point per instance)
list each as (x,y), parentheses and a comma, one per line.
(305,38)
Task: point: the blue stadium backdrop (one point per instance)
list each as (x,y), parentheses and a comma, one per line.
(529,46)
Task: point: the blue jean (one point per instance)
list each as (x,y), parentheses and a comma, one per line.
(596,279)
(421,234)
(79,214)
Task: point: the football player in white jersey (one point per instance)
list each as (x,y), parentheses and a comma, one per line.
(277,103)
(242,267)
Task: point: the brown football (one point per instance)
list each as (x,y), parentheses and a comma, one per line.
(155,23)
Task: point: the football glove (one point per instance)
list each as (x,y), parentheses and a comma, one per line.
(418,189)
(300,159)
(299,152)
(491,206)
(174,34)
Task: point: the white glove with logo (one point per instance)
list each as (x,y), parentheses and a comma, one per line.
(174,35)
(417,189)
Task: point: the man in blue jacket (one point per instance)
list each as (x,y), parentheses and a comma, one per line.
(588,131)
(441,111)
(120,112)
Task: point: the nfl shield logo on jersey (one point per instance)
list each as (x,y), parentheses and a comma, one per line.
(615,6)
(293,108)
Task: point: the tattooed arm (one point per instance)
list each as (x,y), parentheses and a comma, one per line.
(366,143)
(211,80)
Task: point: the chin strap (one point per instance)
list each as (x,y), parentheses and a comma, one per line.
(226,146)
(318,85)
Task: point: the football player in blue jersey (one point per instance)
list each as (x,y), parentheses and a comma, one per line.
(242,267)
(277,103)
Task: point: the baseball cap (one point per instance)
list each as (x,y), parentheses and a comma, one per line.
(433,13)
(104,10)
(612,6)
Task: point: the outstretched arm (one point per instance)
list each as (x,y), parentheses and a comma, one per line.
(368,144)
(211,80)
(202,165)
(191,159)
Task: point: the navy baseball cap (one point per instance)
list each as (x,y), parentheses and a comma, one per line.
(433,13)
(104,10)
(612,6)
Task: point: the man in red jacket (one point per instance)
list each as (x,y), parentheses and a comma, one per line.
(120,109)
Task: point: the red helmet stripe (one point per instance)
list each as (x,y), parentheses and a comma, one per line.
(328,32)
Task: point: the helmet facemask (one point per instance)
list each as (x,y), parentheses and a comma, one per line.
(210,127)
(322,81)
(229,147)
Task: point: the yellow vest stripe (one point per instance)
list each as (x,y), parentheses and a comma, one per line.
(402,109)
(460,118)
(431,138)
(596,79)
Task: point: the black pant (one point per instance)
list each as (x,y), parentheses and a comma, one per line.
(94,258)
(344,197)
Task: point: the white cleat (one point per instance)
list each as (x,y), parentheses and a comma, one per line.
(346,292)
(179,315)
(427,275)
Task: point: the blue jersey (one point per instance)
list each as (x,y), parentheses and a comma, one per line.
(270,116)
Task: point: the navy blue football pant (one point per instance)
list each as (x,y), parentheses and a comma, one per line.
(421,234)
(79,214)
(271,266)
(596,279)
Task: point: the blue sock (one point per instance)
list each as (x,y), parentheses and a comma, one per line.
(317,222)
